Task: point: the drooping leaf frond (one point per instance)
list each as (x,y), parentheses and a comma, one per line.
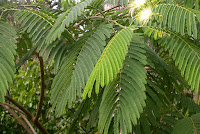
(188,125)
(65,19)
(168,122)
(161,82)
(155,61)
(62,80)
(173,119)
(184,53)
(82,68)
(178,18)
(87,60)
(188,104)
(37,24)
(191,3)
(93,120)
(110,62)
(55,53)
(123,99)
(7,53)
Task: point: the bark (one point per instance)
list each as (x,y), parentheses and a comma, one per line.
(29,115)
(196,96)
(39,109)
(17,118)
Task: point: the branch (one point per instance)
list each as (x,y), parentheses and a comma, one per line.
(39,109)
(17,118)
(27,122)
(18,110)
(22,115)
(107,10)
(29,116)
(196,96)
(77,25)
(114,21)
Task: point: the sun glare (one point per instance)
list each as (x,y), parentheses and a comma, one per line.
(139,3)
(145,14)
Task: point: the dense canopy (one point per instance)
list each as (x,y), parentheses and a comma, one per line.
(100,66)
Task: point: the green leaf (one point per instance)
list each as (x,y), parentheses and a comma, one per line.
(185,54)
(124,98)
(65,19)
(92,47)
(188,125)
(178,18)
(110,62)
(7,57)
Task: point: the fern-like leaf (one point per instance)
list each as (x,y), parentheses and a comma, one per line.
(188,125)
(37,24)
(123,99)
(87,60)
(7,53)
(62,80)
(84,65)
(185,54)
(110,62)
(178,18)
(65,19)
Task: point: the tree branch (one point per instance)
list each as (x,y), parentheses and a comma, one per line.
(22,115)
(42,85)
(27,122)
(29,116)
(14,108)
(108,10)
(17,118)
(196,96)
(77,25)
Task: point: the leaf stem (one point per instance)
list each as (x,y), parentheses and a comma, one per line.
(114,21)
(173,106)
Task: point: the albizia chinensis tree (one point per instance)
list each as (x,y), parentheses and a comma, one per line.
(135,67)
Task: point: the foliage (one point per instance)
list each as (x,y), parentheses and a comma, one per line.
(7,54)
(104,70)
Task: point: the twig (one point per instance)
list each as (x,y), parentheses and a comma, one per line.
(196,96)
(29,116)
(17,118)
(27,122)
(18,110)
(39,109)
(107,10)
(77,25)
(22,115)
(114,21)
(173,106)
